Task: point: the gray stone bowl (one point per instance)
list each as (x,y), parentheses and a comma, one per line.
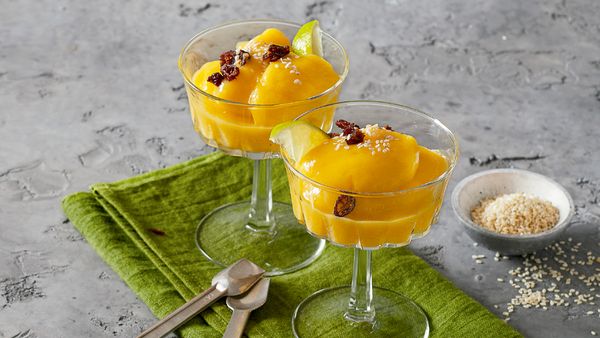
(489,183)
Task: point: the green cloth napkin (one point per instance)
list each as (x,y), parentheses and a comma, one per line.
(166,270)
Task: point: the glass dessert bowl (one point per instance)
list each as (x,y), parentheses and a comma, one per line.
(365,188)
(242,79)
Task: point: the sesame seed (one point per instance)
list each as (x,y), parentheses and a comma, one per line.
(541,280)
(516,213)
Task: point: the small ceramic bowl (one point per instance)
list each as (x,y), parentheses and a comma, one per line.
(489,183)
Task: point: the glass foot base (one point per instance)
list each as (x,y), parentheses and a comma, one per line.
(323,315)
(223,237)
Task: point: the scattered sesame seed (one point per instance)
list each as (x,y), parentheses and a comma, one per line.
(541,283)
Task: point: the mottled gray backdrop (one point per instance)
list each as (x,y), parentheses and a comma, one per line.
(89,92)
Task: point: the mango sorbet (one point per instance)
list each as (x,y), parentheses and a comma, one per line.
(255,87)
(384,174)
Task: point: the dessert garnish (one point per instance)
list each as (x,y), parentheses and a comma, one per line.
(216,79)
(346,126)
(227,58)
(229,70)
(243,57)
(232,57)
(276,52)
(351,131)
(344,205)
(355,137)
(297,137)
(308,40)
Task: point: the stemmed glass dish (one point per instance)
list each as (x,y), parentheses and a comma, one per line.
(378,219)
(260,230)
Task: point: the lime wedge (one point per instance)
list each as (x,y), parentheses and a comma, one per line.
(297,137)
(308,40)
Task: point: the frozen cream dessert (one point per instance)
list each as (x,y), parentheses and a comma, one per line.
(261,83)
(365,187)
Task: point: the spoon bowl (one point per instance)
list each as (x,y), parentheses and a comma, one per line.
(252,300)
(238,278)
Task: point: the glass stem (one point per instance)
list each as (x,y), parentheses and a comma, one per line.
(261,210)
(360,308)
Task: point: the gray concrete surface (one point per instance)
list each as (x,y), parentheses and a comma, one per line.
(90,92)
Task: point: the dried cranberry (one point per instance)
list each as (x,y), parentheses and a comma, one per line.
(243,57)
(276,52)
(230,72)
(356,137)
(347,127)
(228,69)
(332,135)
(216,79)
(343,124)
(388,127)
(344,205)
(227,58)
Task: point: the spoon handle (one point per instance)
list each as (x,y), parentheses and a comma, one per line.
(236,325)
(186,312)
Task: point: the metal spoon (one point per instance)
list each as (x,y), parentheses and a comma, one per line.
(243,305)
(232,281)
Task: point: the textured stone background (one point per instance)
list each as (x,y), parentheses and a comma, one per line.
(90,92)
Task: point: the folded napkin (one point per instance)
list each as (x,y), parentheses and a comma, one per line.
(124,221)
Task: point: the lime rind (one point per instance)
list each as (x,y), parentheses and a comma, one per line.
(297,138)
(317,45)
(308,39)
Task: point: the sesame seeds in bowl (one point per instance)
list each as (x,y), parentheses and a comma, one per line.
(540,192)
(515,213)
